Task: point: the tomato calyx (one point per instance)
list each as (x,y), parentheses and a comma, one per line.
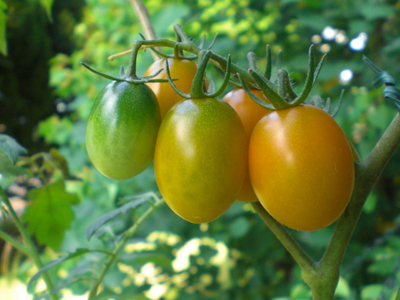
(130,76)
(177,50)
(278,90)
(124,77)
(197,90)
(317,101)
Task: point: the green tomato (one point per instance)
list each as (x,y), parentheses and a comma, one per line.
(200,160)
(122,129)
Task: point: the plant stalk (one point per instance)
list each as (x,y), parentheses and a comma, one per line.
(367,174)
(128,234)
(16,244)
(299,255)
(30,248)
(143,16)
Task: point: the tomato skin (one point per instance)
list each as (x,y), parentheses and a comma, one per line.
(249,113)
(301,167)
(182,69)
(122,129)
(200,160)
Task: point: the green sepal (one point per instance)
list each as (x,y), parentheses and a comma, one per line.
(336,110)
(284,86)
(267,73)
(127,78)
(225,82)
(309,79)
(174,87)
(197,86)
(327,106)
(273,97)
(277,67)
(202,41)
(252,59)
(254,97)
(213,41)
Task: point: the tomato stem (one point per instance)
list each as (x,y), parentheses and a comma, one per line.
(267,73)
(30,248)
(128,234)
(300,256)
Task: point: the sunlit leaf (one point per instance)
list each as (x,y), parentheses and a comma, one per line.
(372,291)
(50,213)
(158,259)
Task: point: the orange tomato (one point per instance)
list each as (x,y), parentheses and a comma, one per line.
(249,113)
(182,69)
(301,167)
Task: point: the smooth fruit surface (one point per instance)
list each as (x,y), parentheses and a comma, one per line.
(182,69)
(122,130)
(200,160)
(249,113)
(301,167)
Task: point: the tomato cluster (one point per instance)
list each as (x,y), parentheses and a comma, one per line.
(208,153)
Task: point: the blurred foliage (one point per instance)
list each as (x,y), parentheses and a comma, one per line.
(34,35)
(236,256)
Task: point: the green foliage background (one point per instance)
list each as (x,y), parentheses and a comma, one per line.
(236,256)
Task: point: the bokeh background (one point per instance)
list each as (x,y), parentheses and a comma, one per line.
(45,100)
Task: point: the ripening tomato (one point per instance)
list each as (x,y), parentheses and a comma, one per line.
(200,160)
(249,113)
(122,129)
(301,167)
(182,69)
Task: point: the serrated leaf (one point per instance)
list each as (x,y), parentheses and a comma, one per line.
(3,38)
(56,262)
(47,4)
(50,213)
(94,226)
(9,152)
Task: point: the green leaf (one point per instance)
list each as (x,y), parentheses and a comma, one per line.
(370,204)
(343,288)
(9,152)
(158,259)
(56,262)
(49,213)
(93,227)
(371,292)
(3,40)
(47,4)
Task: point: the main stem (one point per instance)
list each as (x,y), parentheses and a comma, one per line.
(367,174)
(322,276)
(30,247)
(143,16)
(120,246)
